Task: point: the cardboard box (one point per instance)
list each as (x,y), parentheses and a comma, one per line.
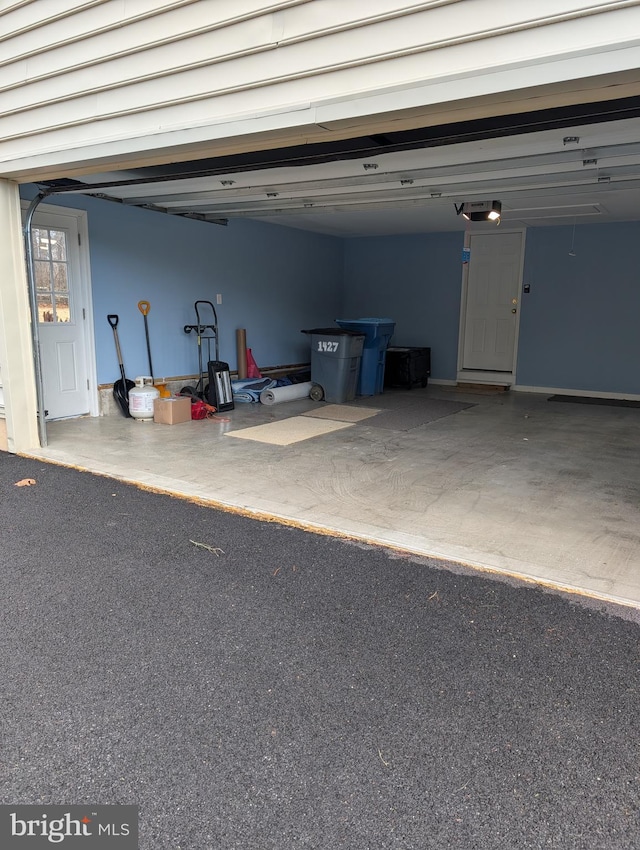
(171,411)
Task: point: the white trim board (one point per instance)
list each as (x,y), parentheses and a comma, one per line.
(584,393)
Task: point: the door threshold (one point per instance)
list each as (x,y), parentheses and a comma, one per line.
(497,379)
(482,388)
(65,418)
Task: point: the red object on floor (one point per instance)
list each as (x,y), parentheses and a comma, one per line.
(201,410)
(252,366)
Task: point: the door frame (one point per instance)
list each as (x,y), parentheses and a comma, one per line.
(477,375)
(84,288)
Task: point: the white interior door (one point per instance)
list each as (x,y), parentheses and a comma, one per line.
(491,312)
(62,316)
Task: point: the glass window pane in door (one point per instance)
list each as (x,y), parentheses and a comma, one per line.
(43,278)
(58,244)
(60,280)
(62,312)
(41,242)
(45,308)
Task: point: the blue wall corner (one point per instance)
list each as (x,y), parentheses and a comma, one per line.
(416,280)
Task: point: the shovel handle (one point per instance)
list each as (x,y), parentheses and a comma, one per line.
(113,321)
(144,307)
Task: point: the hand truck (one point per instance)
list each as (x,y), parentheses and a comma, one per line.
(214,384)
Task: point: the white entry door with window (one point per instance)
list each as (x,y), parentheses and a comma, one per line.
(491,303)
(64,327)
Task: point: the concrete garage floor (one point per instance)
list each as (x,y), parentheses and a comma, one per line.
(516,484)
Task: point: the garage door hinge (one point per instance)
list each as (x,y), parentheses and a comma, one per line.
(84,314)
(79,239)
(87,383)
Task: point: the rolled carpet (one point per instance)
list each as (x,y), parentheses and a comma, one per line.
(276,395)
(249,390)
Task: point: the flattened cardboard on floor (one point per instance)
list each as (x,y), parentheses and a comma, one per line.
(171,411)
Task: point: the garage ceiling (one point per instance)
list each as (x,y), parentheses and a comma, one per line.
(578,164)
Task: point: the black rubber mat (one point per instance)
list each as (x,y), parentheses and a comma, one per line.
(583,399)
(252,686)
(413,416)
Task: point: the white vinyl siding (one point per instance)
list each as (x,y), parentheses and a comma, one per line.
(109,80)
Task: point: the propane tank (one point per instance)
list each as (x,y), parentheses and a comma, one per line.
(142,397)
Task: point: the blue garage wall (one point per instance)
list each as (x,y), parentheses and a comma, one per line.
(274,281)
(579,325)
(414,280)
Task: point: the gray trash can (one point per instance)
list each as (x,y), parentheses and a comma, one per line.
(335,362)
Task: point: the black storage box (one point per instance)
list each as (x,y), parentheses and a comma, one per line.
(407,367)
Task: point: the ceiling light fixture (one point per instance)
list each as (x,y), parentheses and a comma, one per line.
(480,210)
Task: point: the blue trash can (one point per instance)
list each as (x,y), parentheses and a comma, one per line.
(377,333)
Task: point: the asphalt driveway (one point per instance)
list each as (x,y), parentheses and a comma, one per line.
(252,685)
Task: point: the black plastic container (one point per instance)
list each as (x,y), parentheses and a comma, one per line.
(407,367)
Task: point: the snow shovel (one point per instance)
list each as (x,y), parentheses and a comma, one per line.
(144,308)
(120,388)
